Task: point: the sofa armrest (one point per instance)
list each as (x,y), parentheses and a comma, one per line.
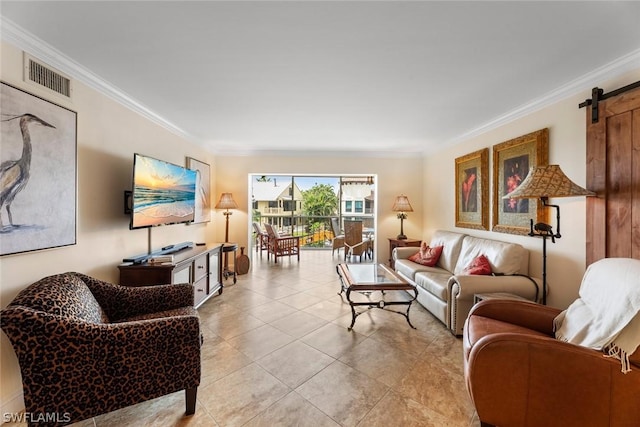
(404,252)
(522,313)
(466,286)
(520,379)
(461,290)
(124,301)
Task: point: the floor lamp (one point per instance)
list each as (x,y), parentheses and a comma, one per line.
(402,206)
(226,202)
(541,183)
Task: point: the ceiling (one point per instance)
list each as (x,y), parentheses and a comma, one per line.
(389,77)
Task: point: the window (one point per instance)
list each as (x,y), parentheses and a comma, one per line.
(358,208)
(289,205)
(273,203)
(348,206)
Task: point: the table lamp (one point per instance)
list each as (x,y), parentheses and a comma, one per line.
(226,202)
(402,205)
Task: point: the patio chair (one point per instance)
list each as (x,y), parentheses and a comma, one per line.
(338,236)
(280,246)
(262,238)
(354,243)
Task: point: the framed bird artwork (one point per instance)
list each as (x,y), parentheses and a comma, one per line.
(38,170)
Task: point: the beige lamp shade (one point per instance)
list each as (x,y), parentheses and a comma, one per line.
(401,204)
(226,202)
(547,181)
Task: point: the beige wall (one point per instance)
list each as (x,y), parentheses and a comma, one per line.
(108,135)
(567,147)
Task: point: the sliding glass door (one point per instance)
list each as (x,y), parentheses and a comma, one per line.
(304,205)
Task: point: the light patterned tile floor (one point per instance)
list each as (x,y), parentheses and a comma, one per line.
(277,352)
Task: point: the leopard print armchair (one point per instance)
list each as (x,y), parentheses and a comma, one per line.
(87,347)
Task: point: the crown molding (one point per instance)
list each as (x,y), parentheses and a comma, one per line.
(17,36)
(611,70)
(320,153)
(14,34)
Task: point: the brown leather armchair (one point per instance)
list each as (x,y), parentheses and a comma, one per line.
(518,374)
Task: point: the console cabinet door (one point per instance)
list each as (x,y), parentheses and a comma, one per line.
(215,272)
(182,274)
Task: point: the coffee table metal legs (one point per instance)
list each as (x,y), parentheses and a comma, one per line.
(381,304)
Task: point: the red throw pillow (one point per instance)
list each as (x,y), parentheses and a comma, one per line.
(427,256)
(480,266)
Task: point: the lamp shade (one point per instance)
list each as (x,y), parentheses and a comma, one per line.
(401,204)
(547,181)
(226,202)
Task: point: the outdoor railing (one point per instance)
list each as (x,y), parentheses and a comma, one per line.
(315,231)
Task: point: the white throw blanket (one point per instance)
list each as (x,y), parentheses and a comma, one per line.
(607,314)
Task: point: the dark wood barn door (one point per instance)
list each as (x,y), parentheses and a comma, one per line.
(613,172)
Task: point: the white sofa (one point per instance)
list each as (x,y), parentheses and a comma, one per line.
(448,293)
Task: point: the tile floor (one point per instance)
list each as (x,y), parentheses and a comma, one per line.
(277,352)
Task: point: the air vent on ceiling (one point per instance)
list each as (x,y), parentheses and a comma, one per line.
(43,75)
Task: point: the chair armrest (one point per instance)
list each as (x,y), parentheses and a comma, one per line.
(287,238)
(124,301)
(404,252)
(520,379)
(521,313)
(289,241)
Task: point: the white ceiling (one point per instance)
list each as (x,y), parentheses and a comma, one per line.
(389,77)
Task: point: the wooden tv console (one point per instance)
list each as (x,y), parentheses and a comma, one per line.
(199,265)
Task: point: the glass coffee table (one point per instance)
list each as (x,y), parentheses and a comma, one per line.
(369,278)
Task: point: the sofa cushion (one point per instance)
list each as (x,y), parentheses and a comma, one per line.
(479,266)
(452,243)
(434,282)
(62,295)
(427,255)
(505,258)
(409,268)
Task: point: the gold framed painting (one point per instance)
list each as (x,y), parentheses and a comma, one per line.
(511,163)
(472,190)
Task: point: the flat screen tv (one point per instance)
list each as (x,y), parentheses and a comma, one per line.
(163,193)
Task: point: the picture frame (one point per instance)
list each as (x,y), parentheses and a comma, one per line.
(512,160)
(203,190)
(38,150)
(472,190)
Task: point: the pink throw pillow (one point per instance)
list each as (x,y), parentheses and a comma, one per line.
(427,256)
(480,266)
